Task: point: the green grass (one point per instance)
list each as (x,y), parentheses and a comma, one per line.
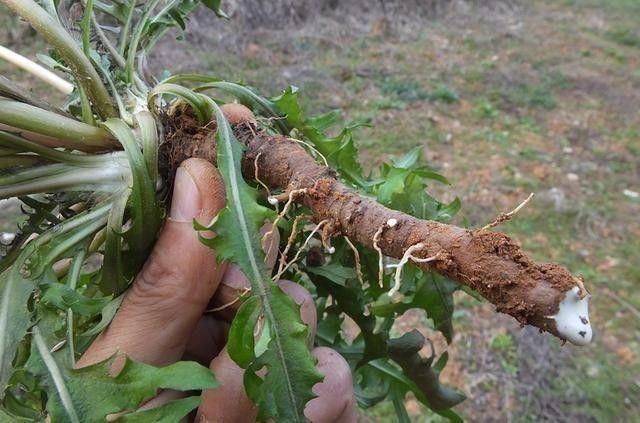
(445,94)
(405,90)
(502,342)
(528,95)
(485,109)
(625,37)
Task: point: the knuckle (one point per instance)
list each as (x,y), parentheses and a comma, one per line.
(157,287)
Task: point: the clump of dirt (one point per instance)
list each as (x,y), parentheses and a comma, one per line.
(184,138)
(498,268)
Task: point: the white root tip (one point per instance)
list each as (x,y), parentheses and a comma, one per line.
(392,222)
(572,319)
(272,200)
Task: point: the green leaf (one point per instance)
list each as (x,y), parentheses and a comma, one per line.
(241,340)
(170,412)
(108,311)
(339,151)
(143,204)
(409,159)
(113,277)
(291,371)
(334,272)
(370,386)
(402,187)
(434,295)
(291,374)
(448,211)
(350,300)
(404,351)
(215,5)
(397,397)
(199,107)
(18,282)
(91,393)
(15,318)
(394,183)
(63,298)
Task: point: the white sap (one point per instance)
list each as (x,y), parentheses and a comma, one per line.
(572,320)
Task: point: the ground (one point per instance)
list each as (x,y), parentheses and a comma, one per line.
(539,98)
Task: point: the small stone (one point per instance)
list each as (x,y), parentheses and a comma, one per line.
(572,177)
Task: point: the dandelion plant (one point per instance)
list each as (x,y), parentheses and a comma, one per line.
(94,174)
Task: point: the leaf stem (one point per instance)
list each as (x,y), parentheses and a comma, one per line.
(117,57)
(62,85)
(70,132)
(56,376)
(72,281)
(66,46)
(19,144)
(11,91)
(133,46)
(86,27)
(8,162)
(126,28)
(60,177)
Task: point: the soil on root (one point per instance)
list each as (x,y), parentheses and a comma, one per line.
(489,262)
(184,138)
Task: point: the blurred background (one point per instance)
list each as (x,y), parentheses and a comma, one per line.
(506,97)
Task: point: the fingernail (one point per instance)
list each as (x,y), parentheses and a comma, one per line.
(185,204)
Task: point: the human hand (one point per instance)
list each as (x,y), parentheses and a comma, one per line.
(163,316)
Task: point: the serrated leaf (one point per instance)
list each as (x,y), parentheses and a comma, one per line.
(90,394)
(241,340)
(329,327)
(15,319)
(61,297)
(404,351)
(339,151)
(350,300)
(107,313)
(370,386)
(142,204)
(291,374)
(434,295)
(289,363)
(18,282)
(394,183)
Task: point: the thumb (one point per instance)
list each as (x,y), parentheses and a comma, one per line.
(171,292)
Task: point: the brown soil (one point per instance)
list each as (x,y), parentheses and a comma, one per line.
(183,139)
